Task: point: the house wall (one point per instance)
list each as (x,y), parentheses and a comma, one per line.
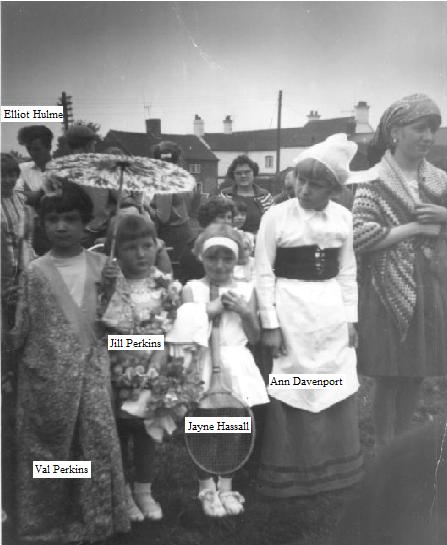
(286,159)
(207,176)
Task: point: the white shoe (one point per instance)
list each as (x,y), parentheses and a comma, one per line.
(211,504)
(149,508)
(133,511)
(232,501)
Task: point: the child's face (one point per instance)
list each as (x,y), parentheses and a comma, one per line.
(313,194)
(137,256)
(226,218)
(64,230)
(239,218)
(9,180)
(219,263)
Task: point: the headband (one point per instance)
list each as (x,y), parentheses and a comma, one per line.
(221,241)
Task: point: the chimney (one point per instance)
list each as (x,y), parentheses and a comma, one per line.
(199,126)
(153,126)
(228,125)
(362,112)
(313,115)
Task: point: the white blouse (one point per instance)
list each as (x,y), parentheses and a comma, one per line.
(288,225)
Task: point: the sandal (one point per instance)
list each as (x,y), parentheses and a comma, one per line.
(211,504)
(232,502)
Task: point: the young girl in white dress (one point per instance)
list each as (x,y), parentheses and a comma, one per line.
(218,247)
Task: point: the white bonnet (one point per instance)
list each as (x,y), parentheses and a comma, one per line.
(335,153)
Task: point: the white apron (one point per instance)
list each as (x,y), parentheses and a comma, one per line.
(313,316)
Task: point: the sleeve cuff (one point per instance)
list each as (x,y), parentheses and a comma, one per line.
(269,319)
(351,314)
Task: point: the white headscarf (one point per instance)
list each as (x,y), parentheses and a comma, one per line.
(335,153)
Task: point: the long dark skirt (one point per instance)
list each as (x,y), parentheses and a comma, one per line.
(424,350)
(306,453)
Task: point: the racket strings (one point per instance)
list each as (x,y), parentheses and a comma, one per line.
(221,453)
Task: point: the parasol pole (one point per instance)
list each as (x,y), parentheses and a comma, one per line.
(121,165)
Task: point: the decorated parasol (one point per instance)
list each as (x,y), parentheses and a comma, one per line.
(120,172)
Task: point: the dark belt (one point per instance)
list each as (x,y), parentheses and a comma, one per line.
(307,263)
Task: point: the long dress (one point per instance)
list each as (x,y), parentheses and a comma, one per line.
(311,439)
(402,304)
(65,412)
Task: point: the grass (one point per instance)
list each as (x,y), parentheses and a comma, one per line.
(291,521)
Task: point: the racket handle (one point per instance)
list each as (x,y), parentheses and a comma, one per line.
(214,294)
(215,383)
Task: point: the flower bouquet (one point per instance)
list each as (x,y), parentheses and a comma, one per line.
(160,390)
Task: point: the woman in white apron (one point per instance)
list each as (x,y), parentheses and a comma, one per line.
(307,291)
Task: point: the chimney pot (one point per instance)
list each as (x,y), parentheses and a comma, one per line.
(313,115)
(228,125)
(153,126)
(199,126)
(362,112)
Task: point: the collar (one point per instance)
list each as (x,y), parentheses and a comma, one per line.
(308,214)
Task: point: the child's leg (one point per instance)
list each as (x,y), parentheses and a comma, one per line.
(232,501)
(124,434)
(144,454)
(208,496)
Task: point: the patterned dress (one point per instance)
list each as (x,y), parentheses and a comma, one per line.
(144,306)
(402,303)
(65,413)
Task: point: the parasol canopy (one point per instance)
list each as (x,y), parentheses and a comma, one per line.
(139,173)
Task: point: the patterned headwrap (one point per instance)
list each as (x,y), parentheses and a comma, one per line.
(400,113)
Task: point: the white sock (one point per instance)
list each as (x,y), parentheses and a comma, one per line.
(132,508)
(143,497)
(207,484)
(224,484)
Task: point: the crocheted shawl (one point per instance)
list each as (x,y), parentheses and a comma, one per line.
(381,205)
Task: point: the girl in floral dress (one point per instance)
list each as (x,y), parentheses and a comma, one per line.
(138,299)
(64,401)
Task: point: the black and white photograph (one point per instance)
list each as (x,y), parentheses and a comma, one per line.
(223,272)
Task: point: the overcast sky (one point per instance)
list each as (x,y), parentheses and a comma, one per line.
(219,58)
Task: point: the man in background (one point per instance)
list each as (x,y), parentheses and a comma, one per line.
(172,211)
(37,140)
(289,188)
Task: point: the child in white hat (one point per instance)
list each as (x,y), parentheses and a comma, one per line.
(307,292)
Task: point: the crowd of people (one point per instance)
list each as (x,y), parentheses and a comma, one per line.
(302,285)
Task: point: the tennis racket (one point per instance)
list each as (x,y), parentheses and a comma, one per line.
(220,453)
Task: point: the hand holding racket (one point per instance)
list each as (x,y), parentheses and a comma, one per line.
(220,453)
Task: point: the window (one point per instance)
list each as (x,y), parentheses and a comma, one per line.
(269,161)
(195,168)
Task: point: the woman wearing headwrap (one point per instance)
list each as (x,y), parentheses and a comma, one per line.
(307,291)
(399,218)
